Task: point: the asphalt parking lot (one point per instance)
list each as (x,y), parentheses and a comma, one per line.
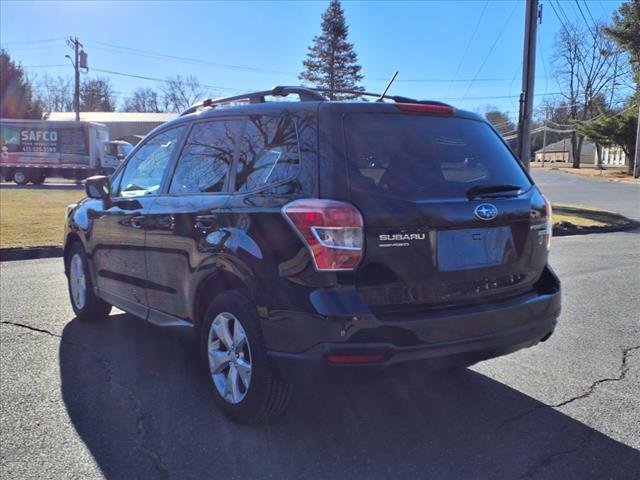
(563,187)
(123,399)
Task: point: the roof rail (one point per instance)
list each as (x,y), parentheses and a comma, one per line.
(306,95)
(395,98)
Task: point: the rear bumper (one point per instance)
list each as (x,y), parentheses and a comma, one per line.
(434,339)
(465,352)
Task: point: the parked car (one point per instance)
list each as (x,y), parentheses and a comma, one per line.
(319,238)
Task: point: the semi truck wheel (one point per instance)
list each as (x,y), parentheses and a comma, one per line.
(38,179)
(20,177)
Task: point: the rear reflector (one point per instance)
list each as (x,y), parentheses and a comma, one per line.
(425,108)
(354,358)
(332,230)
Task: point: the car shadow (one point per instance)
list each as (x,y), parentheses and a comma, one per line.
(136,396)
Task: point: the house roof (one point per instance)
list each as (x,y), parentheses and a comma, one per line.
(563,145)
(112,117)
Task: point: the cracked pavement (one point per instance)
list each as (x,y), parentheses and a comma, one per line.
(123,399)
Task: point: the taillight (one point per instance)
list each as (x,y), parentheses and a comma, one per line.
(332,230)
(549,221)
(425,108)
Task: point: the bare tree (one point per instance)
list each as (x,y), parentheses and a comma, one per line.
(96,95)
(55,94)
(143,100)
(499,120)
(182,92)
(587,67)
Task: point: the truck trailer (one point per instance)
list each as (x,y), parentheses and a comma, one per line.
(32,150)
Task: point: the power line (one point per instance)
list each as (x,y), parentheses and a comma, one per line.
(153,79)
(561,9)
(559,18)
(589,12)
(513,79)
(41,47)
(491,49)
(586,22)
(149,54)
(544,65)
(34,41)
(443,80)
(568,130)
(495,97)
(559,124)
(47,66)
(466,49)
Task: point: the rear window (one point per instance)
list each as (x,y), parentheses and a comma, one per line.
(426,157)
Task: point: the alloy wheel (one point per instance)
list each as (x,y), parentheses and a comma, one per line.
(229,355)
(77,282)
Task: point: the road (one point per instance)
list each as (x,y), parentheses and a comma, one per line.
(563,187)
(123,399)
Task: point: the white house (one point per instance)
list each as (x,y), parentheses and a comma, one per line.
(561,152)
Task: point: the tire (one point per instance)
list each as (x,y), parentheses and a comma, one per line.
(86,305)
(20,177)
(264,396)
(38,179)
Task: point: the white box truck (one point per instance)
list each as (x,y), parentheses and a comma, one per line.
(32,150)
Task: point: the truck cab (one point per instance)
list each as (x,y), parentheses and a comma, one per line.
(114,152)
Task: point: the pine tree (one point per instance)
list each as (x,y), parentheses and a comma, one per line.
(331,61)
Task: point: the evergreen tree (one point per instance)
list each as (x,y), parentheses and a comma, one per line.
(626,33)
(620,129)
(16,95)
(331,61)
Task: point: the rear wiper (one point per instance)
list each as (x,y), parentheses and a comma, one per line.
(480,190)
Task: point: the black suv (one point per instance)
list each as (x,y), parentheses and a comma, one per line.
(318,237)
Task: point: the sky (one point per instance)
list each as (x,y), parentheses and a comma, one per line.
(467,53)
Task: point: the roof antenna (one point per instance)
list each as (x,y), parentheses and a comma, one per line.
(381,97)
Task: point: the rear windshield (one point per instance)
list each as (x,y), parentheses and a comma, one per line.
(426,157)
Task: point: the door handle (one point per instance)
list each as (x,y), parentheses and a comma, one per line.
(137,222)
(206,221)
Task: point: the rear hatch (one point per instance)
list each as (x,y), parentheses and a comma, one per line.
(450,215)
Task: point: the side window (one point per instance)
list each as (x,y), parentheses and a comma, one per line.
(115,180)
(206,157)
(269,154)
(144,170)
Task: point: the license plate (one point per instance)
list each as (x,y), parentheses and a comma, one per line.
(474,248)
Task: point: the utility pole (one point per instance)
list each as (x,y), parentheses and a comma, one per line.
(544,135)
(636,160)
(74,43)
(528,76)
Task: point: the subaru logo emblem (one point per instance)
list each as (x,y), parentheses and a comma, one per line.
(486,211)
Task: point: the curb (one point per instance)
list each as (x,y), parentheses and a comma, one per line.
(585,231)
(627,181)
(11,254)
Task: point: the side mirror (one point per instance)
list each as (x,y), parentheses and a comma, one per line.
(99,187)
(120,156)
